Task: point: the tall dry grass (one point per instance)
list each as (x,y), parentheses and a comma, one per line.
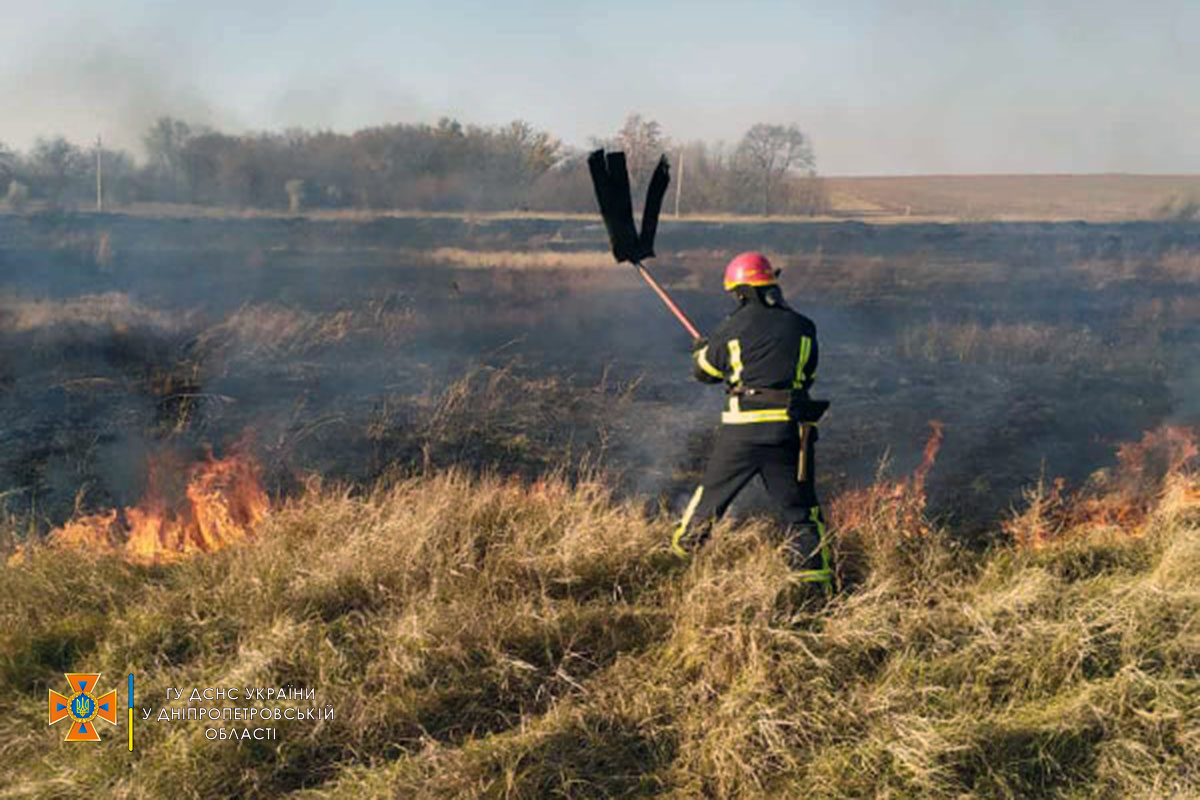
(110,310)
(1000,343)
(517,259)
(480,637)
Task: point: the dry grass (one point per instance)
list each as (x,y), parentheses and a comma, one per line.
(1178,266)
(257,332)
(519,259)
(111,310)
(1000,343)
(487,638)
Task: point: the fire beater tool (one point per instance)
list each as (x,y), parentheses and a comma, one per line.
(610,179)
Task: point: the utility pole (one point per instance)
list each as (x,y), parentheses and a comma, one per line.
(99,174)
(679,183)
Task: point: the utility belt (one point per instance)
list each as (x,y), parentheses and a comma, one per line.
(790,406)
(794,407)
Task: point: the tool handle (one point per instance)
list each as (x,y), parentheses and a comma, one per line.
(802,464)
(666,298)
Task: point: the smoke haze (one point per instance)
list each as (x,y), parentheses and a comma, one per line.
(932,88)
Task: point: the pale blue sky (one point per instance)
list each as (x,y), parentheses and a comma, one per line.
(882,87)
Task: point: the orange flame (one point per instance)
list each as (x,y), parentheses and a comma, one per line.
(223,502)
(1149,474)
(932,446)
(892,505)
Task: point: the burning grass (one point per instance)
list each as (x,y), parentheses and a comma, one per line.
(485,637)
(1152,478)
(220,502)
(886,517)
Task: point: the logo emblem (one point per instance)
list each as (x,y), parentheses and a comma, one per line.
(82,707)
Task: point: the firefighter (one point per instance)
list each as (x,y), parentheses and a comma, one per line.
(766,355)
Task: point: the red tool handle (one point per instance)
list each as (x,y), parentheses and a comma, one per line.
(679,315)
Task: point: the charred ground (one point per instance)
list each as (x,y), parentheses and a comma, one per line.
(351,348)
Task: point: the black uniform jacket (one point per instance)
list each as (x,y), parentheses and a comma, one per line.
(759,346)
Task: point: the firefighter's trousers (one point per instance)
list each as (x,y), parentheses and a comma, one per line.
(772,451)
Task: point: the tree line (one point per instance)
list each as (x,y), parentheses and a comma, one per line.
(446,166)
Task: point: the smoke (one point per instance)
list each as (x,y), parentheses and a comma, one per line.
(343,98)
(102,90)
(88,78)
(931,88)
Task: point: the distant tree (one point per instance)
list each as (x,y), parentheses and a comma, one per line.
(122,178)
(445,165)
(566,186)
(200,160)
(448,127)
(61,169)
(536,151)
(165,143)
(643,142)
(769,153)
(243,176)
(8,164)
(509,160)
(703,172)
(448,148)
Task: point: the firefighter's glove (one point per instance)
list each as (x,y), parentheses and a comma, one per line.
(699,344)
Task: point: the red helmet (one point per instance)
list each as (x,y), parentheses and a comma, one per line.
(750,269)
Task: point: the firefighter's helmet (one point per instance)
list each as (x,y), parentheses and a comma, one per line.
(750,269)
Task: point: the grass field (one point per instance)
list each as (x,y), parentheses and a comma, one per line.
(427,467)
(1095,198)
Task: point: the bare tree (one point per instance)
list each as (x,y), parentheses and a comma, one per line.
(512,159)
(770,152)
(121,180)
(60,167)
(643,142)
(538,150)
(165,143)
(8,164)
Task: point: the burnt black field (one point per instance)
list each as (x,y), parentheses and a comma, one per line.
(350,349)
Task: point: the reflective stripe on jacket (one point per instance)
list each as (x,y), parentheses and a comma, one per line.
(764,347)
